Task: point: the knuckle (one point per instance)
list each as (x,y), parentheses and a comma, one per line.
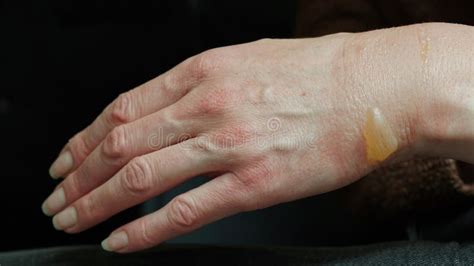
(170,83)
(137,179)
(206,107)
(182,214)
(218,97)
(77,184)
(215,101)
(79,146)
(242,201)
(121,111)
(115,144)
(145,233)
(248,180)
(73,187)
(88,208)
(231,144)
(255,177)
(206,63)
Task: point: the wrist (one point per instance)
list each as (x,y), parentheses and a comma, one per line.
(445,119)
(384,68)
(421,78)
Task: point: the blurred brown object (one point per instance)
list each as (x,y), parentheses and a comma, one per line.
(407,189)
(321,17)
(403,190)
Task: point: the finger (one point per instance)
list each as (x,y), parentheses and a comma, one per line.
(216,199)
(144,177)
(147,98)
(122,144)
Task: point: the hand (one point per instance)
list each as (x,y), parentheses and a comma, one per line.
(271,121)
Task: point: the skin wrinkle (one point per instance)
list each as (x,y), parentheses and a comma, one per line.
(448,77)
(364,99)
(389,81)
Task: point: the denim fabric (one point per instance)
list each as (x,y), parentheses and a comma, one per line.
(394,253)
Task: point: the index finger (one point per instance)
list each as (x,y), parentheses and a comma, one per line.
(214,200)
(145,99)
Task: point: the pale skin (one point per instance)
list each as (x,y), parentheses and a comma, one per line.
(271,121)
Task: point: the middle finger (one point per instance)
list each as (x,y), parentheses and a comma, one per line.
(124,143)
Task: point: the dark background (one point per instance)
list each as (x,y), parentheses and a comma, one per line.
(63,61)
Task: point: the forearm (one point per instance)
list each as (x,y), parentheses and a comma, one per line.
(449,83)
(427,69)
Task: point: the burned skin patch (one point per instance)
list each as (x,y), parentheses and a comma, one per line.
(380,141)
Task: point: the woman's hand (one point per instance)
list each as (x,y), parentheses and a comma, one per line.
(272,121)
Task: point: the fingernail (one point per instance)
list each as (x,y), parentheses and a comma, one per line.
(115,241)
(65,219)
(62,165)
(54,203)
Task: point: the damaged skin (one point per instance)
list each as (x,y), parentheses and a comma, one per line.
(380,140)
(271,121)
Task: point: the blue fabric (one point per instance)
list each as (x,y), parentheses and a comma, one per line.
(394,253)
